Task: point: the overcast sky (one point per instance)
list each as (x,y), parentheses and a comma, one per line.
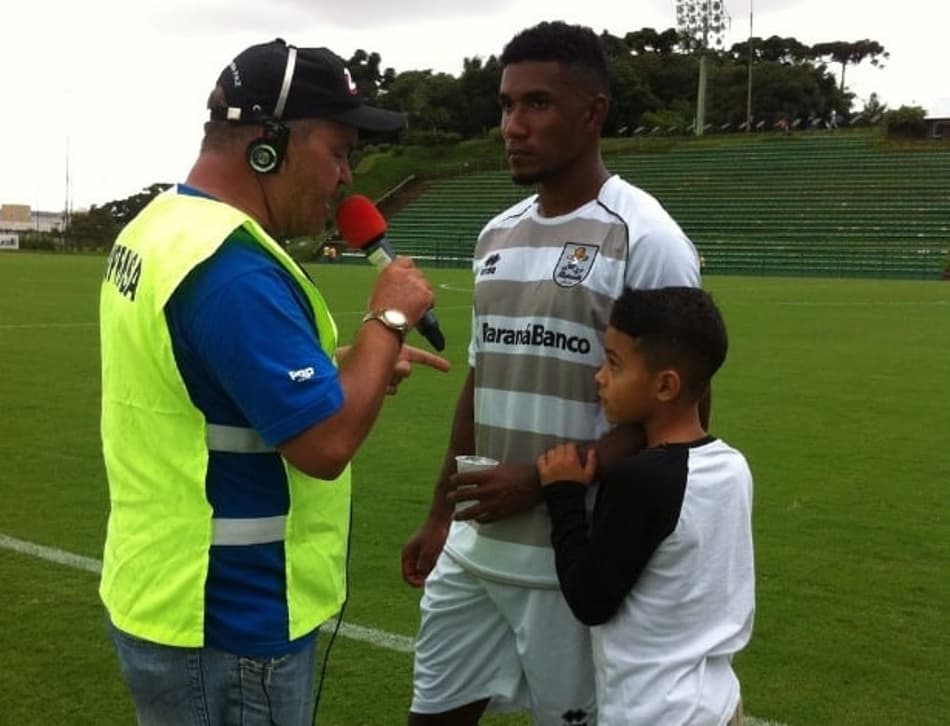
(118,86)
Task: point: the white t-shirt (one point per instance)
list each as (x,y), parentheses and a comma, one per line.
(664,572)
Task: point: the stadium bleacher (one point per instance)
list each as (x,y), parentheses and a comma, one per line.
(808,204)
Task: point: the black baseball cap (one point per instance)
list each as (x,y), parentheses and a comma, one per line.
(279,81)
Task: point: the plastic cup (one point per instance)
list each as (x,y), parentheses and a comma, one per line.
(471,463)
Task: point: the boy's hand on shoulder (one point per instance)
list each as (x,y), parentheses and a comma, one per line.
(563,463)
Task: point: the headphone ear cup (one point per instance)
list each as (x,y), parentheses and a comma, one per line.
(266,154)
(262,157)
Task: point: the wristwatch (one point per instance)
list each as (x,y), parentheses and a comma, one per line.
(395,320)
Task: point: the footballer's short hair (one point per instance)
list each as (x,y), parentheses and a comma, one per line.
(675,327)
(575,46)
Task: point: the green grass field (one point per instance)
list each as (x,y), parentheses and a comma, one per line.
(837,391)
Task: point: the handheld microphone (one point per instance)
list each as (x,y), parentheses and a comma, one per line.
(364,228)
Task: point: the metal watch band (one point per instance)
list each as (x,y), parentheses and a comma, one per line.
(378,316)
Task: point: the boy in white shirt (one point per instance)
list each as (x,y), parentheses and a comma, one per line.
(664,572)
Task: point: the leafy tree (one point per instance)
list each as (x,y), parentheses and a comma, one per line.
(649,40)
(907,122)
(791,91)
(123,210)
(646,75)
(478,87)
(873,107)
(669,79)
(654,77)
(94,228)
(631,95)
(432,100)
(728,84)
(369,79)
(39,240)
(788,51)
(853,53)
(651,72)
(99,226)
(665,121)
(613,46)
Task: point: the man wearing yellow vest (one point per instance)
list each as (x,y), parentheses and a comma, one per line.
(227,425)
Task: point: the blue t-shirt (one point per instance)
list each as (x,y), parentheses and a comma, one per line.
(242,331)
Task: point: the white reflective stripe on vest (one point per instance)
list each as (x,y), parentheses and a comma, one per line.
(259,530)
(236,440)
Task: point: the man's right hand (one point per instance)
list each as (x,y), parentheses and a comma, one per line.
(422,550)
(402,286)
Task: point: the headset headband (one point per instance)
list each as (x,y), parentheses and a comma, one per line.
(288,78)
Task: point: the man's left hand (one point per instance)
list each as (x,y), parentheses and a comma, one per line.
(408,355)
(498,492)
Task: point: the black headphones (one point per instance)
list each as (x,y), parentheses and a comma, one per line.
(266,153)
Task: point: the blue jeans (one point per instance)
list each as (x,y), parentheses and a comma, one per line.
(207,687)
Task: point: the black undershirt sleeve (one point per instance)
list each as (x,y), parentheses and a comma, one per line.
(637,507)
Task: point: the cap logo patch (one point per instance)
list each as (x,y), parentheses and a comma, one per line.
(235,74)
(349,82)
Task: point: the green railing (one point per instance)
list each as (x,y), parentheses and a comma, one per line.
(825,205)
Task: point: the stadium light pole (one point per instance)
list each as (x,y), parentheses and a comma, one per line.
(701,21)
(66,205)
(748,98)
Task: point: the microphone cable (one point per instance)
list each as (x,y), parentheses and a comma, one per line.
(339,620)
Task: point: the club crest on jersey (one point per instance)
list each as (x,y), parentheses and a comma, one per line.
(574,263)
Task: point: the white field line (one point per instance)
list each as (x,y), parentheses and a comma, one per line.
(391,641)
(861,303)
(452,287)
(50,554)
(379,638)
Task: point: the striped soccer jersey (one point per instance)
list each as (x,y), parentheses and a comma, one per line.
(544,287)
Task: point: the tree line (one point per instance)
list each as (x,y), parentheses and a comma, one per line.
(653,83)
(654,79)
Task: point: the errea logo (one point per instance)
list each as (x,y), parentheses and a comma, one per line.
(304,374)
(489,266)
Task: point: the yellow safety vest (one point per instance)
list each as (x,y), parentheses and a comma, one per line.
(156,442)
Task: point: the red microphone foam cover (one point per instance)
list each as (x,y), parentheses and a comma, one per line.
(359,221)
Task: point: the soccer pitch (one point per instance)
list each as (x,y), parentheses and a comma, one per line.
(836,390)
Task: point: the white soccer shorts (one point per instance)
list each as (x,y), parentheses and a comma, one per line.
(518,646)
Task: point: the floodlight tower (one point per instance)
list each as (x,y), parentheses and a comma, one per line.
(748,96)
(703,22)
(67,206)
